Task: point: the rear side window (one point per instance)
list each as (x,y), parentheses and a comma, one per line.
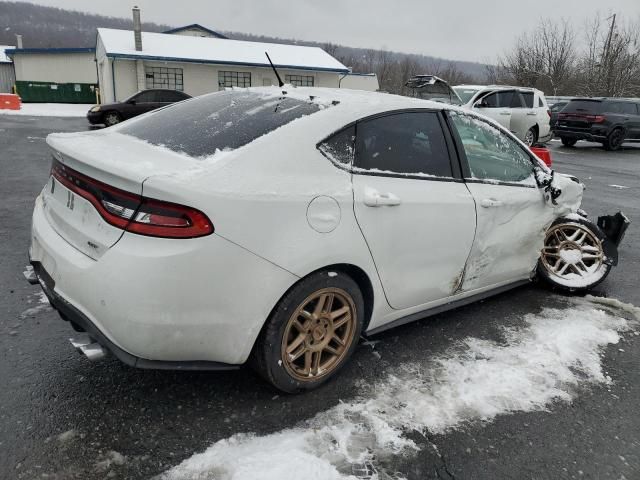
(219,121)
(540,102)
(340,147)
(409,143)
(528,99)
(620,107)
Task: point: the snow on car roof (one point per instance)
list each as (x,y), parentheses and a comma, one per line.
(161,46)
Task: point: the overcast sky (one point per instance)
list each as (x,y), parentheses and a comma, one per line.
(455,29)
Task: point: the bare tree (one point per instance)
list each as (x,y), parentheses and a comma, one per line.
(544,58)
(610,66)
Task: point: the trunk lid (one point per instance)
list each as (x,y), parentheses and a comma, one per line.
(108,159)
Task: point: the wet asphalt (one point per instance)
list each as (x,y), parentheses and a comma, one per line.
(62,417)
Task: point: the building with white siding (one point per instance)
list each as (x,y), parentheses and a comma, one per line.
(55,74)
(199,64)
(7,77)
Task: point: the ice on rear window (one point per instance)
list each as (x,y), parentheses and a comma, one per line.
(221,121)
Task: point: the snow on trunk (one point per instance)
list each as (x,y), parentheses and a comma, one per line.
(541,363)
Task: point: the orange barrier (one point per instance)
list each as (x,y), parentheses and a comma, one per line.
(543,154)
(9,101)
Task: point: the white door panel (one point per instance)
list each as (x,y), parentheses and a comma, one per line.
(510,222)
(522,119)
(419,232)
(501,115)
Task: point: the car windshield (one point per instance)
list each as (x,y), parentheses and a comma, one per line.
(219,121)
(465,93)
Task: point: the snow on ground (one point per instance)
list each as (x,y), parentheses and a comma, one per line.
(42,304)
(536,365)
(50,110)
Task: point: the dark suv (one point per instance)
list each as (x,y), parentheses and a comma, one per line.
(608,121)
(141,102)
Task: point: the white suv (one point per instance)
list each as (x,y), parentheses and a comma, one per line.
(522,110)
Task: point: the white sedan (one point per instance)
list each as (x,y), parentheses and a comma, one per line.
(280,226)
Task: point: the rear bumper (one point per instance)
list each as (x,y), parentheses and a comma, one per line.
(80,321)
(161,303)
(579,134)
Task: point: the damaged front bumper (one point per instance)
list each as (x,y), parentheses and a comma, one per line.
(614,227)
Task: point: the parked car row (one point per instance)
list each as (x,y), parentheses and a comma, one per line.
(278,227)
(523,111)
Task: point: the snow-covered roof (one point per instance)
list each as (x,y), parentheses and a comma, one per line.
(160,46)
(3,56)
(196,26)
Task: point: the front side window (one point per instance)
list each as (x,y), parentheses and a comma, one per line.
(410,143)
(161,77)
(299,80)
(234,79)
(491,154)
(145,97)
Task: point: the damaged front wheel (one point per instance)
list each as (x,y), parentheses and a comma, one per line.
(573,256)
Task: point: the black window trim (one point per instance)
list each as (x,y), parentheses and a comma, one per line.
(464,162)
(450,144)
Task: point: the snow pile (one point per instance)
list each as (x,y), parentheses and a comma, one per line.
(50,110)
(475,381)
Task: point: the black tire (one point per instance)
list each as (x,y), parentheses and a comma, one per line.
(579,280)
(568,141)
(112,118)
(614,140)
(269,355)
(531,137)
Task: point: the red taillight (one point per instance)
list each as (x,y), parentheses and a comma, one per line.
(582,116)
(134,213)
(549,112)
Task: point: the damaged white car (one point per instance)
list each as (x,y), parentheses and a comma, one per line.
(280,226)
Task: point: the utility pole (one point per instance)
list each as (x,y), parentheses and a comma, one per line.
(606,60)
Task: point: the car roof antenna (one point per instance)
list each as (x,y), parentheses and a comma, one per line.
(280,82)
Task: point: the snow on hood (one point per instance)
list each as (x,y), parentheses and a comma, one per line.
(547,360)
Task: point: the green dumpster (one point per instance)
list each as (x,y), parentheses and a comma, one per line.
(51,92)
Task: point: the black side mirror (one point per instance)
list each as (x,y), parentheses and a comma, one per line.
(131,102)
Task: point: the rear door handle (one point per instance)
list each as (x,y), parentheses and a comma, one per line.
(490,202)
(505,113)
(533,114)
(373,198)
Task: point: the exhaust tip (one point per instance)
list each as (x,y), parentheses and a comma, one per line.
(85,345)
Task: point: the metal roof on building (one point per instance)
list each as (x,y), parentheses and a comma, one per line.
(180,48)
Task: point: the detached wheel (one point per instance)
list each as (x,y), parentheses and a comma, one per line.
(531,137)
(568,142)
(573,258)
(111,118)
(615,140)
(312,332)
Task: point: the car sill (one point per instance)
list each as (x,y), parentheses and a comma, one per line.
(446,307)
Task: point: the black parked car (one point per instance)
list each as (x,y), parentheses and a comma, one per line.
(555,109)
(141,102)
(608,121)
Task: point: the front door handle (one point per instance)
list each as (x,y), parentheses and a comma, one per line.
(491,202)
(373,198)
(505,113)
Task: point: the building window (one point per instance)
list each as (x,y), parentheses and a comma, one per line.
(299,80)
(162,77)
(234,79)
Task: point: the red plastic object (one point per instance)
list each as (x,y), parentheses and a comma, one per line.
(543,154)
(9,101)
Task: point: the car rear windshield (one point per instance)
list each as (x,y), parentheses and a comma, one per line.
(223,120)
(583,106)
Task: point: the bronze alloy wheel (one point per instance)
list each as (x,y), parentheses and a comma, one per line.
(318,334)
(571,250)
